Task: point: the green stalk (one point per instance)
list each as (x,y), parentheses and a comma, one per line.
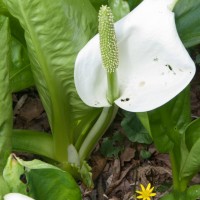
(175,174)
(179,186)
(97,131)
(83,128)
(35,142)
(113,91)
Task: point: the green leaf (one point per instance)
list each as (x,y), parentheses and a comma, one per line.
(143,117)
(35,164)
(5,95)
(168,197)
(4,189)
(34,142)
(3,9)
(192,133)
(119,8)
(99,3)
(169,121)
(193,192)
(197,60)
(86,175)
(134,3)
(12,173)
(112,146)
(192,163)
(55,31)
(52,184)
(20,72)
(145,154)
(134,129)
(188,21)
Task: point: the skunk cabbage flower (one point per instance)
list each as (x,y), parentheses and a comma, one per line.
(153,65)
(16,196)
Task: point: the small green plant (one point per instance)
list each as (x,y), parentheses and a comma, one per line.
(113,146)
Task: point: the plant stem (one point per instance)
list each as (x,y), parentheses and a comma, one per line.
(175,174)
(39,143)
(113,91)
(179,185)
(83,128)
(97,131)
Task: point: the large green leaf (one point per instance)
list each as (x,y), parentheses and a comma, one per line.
(12,173)
(3,9)
(20,71)
(168,122)
(192,163)
(134,3)
(55,31)
(193,192)
(52,184)
(119,8)
(5,102)
(5,95)
(168,197)
(4,189)
(97,4)
(192,133)
(187,14)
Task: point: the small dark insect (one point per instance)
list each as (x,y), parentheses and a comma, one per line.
(170,68)
(124,100)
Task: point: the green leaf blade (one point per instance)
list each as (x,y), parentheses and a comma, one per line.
(134,129)
(192,163)
(5,97)
(55,31)
(54,184)
(20,71)
(169,121)
(192,133)
(188,21)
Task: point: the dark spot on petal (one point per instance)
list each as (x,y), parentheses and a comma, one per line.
(142,83)
(169,66)
(124,100)
(180,70)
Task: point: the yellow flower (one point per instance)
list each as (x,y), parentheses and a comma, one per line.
(146,194)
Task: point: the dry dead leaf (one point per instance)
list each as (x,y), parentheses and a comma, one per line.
(113,185)
(99,163)
(127,155)
(31,109)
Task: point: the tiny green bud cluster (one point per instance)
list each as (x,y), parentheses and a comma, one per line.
(108,41)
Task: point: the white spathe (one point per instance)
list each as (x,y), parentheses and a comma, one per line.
(16,196)
(153,66)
